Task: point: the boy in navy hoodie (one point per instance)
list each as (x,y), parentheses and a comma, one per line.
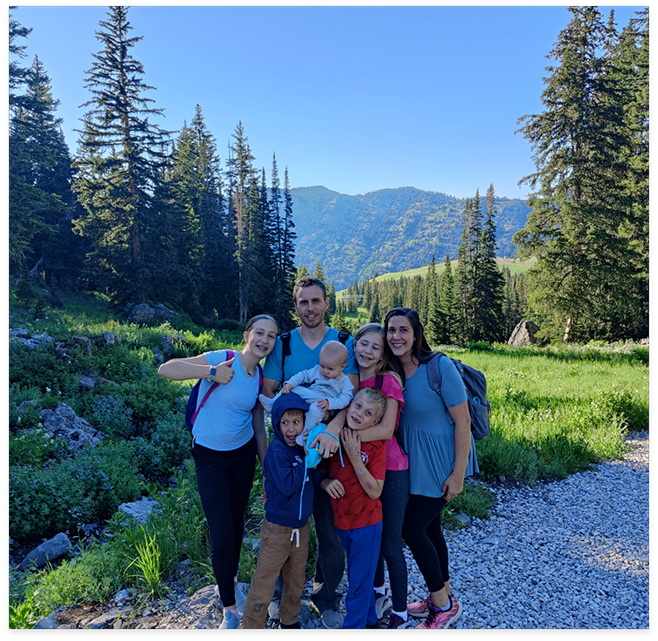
(284,533)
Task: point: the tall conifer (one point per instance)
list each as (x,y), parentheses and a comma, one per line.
(121,153)
(584,273)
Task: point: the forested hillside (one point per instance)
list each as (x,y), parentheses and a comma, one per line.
(387,230)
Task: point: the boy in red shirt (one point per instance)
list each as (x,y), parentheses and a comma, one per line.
(354,490)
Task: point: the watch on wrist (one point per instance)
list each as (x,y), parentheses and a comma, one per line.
(212,372)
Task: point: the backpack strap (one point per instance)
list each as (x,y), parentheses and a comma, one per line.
(229,355)
(434,373)
(285,351)
(343,336)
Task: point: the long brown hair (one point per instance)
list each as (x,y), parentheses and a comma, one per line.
(420,349)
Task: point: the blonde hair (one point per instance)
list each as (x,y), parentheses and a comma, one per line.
(375,397)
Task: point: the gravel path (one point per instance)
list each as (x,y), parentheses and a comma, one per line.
(569,554)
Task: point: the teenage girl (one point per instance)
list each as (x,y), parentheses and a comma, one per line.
(228,433)
(436,435)
(369,344)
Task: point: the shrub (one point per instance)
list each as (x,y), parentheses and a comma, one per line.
(111,416)
(168,446)
(33,447)
(60,495)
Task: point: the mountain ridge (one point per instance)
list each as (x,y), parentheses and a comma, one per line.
(391,229)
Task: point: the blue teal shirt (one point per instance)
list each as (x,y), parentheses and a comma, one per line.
(428,430)
(301,357)
(225,421)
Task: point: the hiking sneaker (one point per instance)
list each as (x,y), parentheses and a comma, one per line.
(437,619)
(382,603)
(240,597)
(332,619)
(396,622)
(230,622)
(418,609)
(273,610)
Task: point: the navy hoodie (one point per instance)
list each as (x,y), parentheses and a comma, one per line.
(285,473)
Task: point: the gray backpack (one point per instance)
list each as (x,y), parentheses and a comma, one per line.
(476,393)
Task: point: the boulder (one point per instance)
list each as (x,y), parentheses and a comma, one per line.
(48,551)
(139,510)
(30,341)
(63,422)
(171,342)
(202,611)
(524,334)
(144,314)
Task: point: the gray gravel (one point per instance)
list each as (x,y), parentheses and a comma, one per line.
(569,554)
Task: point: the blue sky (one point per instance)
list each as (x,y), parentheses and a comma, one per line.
(353,98)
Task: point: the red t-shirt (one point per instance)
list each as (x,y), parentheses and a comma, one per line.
(355,508)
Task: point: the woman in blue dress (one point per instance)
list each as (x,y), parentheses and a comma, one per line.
(436,435)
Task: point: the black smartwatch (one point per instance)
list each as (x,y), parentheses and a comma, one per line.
(213,371)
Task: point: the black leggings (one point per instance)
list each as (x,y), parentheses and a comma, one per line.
(422,533)
(224,480)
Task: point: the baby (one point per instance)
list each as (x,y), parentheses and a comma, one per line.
(329,389)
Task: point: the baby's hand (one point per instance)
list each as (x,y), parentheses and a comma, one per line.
(333,487)
(323,404)
(287,387)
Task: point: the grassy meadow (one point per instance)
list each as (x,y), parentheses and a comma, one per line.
(555,411)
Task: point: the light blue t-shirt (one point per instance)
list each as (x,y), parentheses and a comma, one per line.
(301,357)
(225,422)
(428,430)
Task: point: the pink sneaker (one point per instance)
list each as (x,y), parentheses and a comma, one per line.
(437,619)
(418,609)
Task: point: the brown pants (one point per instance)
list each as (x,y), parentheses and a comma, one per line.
(278,553)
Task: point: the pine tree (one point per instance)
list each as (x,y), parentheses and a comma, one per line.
(288,237)
(17,73)
(450,308)
(121,154)
(584,273)
(242,194)
(41,202)
(435,321)
(490,286)
(201,239)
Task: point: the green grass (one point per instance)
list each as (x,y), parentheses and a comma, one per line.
(556,411)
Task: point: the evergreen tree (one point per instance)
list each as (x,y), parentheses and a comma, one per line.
(288,236)
(242,180)
(435,321)
(450,308)
(585,273)
(281,288)
(17,73)
(375,312)
(201,240)
(490,297)
(338,320)
(41,202)
(120,159)
(630,57)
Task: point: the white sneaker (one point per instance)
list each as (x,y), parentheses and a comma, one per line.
(382,603)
